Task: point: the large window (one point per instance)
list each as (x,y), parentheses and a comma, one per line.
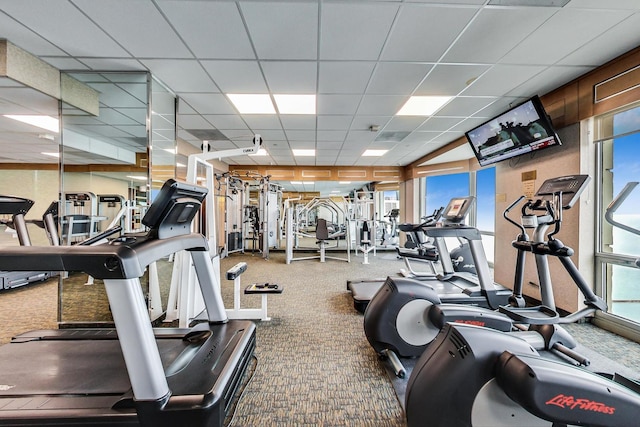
(481,184)
(619,249)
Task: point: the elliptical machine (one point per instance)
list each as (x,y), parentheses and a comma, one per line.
(482,377)
(406,315)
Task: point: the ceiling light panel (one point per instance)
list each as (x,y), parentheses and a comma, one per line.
(303,152)
(295,104)
(43,122)
(252,103)
(374,153)
(423,105)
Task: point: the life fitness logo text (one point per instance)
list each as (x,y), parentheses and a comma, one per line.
(571,402)
(470,322)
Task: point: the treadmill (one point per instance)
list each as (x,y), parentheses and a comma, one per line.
(458,287)
(18,207)
(132,374)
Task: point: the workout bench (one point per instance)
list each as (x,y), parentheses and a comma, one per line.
(263,289)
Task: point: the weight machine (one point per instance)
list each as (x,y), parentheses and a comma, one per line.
(231,192)
(185,299)
(298,220)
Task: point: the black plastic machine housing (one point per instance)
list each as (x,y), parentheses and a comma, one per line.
(133,374)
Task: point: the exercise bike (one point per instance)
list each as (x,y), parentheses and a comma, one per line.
(472,376)
(406,315)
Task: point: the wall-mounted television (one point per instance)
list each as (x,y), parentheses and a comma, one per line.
(523,129)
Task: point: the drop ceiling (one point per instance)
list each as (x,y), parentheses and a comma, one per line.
(362,60)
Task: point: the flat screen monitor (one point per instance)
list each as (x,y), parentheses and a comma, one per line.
(523,129)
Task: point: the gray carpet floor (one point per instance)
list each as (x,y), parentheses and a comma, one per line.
(314,364)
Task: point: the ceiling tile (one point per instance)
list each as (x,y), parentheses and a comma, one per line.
(295,36)
(574,27)
(331,135)
(386,105)
(548,80)
(423,33)
(301,135)
(338,104)
(208,103)
(201,22)
(334,123)
(344,76)
(501,79)
(463,106)
(354,31)
(23,37)
(182,75)
(236,76)
(364,123)
(450,79)
(298,122)
(110,64)
(496,31)
(440,124)
(262,121)
(404,123)
(83,38)
(290,77)
(608,45)
(193,121)
(390,78)
(226,121)
(329,145)
(137,26)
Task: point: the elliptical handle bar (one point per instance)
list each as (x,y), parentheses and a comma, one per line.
(508,209)
(433,218)
(615,204)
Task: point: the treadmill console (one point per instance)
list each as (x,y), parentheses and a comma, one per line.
(570,186)
(174,208)
(457,210)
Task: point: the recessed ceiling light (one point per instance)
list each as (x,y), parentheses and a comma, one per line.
(56,154)
(344,182)
(296,182)
(44,122)
(296,104)
(374,153)
(170,150)
(422,105)
(137,177)
(247,103)
(260,152)
(300,152)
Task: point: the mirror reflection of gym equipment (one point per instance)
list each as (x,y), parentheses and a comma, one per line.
(321,221)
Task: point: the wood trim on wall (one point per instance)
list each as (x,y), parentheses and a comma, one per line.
(323,173)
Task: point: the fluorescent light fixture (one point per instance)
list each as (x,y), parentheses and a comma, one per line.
(422,105)
(296,182)
(308,182)
(374,153)
(296,104)
(440,170)
(335,191)
(344,182)
(56,154)
(43,122)
(260,152)
(247,103)
(300,152)
(170,150)
(137,177)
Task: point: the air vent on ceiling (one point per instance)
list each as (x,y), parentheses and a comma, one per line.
(208,134)
(392,136)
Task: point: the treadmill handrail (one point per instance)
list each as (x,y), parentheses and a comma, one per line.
(123,258)
(615,204)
